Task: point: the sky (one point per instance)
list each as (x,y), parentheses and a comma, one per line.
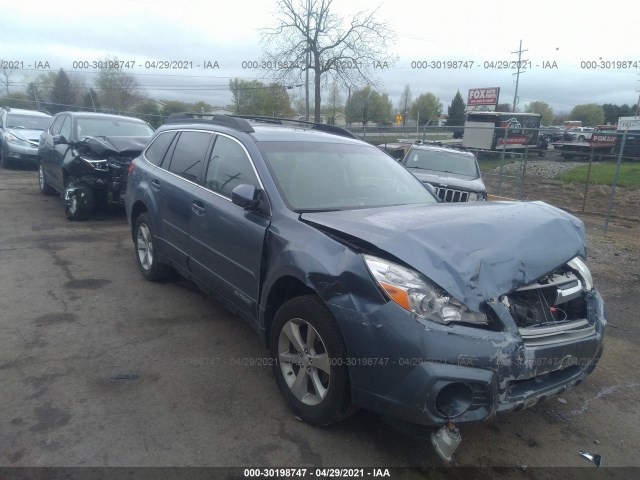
(568,37)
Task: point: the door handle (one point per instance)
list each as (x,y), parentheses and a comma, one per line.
(198,208)
(155,184)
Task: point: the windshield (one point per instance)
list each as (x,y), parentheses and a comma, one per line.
(28,122)
(335,176)
(440,161)
(109,127)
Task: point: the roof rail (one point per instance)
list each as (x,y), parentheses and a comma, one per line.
(314,126)
(224,120)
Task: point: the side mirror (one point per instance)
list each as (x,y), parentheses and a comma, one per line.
(60,140)
(246,196)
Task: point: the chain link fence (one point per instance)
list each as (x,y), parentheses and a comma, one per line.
(593,172)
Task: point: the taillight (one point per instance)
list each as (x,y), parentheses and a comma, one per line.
(131,166)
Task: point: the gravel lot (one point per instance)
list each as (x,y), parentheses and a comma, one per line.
(101,368)
(537,168)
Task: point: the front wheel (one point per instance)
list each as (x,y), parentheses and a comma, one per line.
(146,256)
(44,187)
(310,361)
(79,203)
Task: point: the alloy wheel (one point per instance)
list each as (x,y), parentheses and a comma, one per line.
(304,361)
(144,245)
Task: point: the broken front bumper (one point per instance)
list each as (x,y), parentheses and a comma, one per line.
(426,374)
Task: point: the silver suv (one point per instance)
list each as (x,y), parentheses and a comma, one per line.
(19,136)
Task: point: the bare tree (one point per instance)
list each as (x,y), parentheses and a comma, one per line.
(405,103)
(310,38)
(335,101)
(117,89)
(5,76)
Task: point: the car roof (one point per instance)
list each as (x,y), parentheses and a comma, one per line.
(262,129)
(100,115)
(438,148)
(33,113)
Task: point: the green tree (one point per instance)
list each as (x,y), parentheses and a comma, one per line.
(62,96)
(404,104)
(542,108)
(251,97)
(201,107)
(366,105)
(174,106)
(504,107)
(456,111)
(148,110)
(17,100)
(310,38)
(426,108)
(590,114)
(613,112)
(118,90)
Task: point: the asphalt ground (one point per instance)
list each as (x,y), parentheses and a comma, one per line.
(101,368)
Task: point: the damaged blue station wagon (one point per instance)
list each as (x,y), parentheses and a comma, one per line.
(367,291)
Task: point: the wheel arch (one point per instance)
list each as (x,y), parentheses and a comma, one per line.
(138,209)
(283,289)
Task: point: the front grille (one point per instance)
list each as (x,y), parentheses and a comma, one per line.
(452,194)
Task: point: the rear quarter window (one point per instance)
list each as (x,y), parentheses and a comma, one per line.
(189,154)
(156,152)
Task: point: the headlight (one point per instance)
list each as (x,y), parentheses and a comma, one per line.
(476,197)
(583,271)
(100,164)
(17,141)
(417,294)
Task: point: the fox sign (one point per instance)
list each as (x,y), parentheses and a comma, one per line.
(483,96)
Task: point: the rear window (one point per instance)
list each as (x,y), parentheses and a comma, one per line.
(441,161)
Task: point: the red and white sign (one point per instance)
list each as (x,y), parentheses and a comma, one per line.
(483,96)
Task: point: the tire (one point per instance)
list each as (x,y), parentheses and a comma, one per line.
(80,204)
(44,187)
(145,253)
(305,331)
(4,163)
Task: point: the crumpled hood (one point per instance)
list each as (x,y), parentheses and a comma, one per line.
(26,134)
(114,145)
(474,251)
(449,180)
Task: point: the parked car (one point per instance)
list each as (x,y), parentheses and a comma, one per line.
(552,134)
(19,136)
(367,291)
(85,157)
(454,174)
(582,133)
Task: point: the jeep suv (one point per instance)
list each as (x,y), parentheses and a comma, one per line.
(454,174)
(20,132)
(367,291)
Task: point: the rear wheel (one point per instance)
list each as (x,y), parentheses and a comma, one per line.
(145,251)
(310,366)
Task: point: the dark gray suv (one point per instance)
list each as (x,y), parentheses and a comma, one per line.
(367,291)
(454,174)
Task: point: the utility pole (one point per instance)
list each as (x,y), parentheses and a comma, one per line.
(517,74)
(306,97)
